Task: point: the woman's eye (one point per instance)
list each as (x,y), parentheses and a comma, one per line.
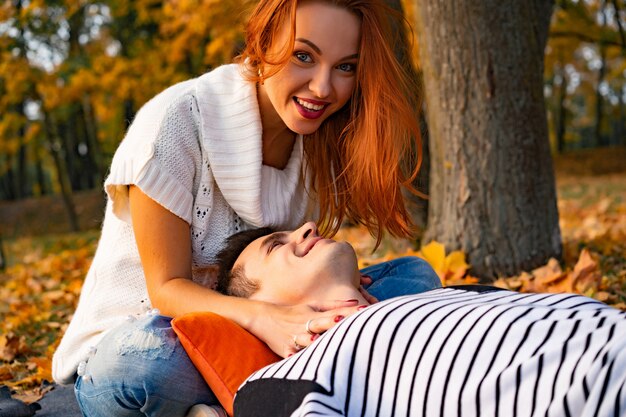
(274,245)
(347,67)
(303,57)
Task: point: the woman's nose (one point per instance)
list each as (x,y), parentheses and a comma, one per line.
(308,229)
(320,84)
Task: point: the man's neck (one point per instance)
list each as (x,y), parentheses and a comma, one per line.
(340,292)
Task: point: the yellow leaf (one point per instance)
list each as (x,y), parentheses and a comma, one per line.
(455,265)
(586,274)
(435,254)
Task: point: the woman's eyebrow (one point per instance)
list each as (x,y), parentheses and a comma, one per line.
(271,239)
(319,51)
(311,44)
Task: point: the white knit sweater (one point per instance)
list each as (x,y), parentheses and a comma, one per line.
(195,149)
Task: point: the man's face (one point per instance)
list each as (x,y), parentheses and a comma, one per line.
(292,267)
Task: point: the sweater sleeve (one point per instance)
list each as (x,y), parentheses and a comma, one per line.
(160,154)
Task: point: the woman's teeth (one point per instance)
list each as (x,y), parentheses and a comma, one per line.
(310,106)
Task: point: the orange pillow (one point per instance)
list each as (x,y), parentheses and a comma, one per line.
(224,353)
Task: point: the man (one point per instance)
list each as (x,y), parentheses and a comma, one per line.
(448,352)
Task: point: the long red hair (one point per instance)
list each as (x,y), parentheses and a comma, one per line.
(364,154)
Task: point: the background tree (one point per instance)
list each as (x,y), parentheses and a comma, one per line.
(584,72)
(492,184)
(74,73)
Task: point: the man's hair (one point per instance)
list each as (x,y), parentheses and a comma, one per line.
(233,280)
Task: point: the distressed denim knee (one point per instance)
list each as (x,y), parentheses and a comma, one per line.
(402,276)
(140,369)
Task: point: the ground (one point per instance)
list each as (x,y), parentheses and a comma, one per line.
(46,266)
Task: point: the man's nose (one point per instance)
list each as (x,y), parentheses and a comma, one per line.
(320,84)
(308,229)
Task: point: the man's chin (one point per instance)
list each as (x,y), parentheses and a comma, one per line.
(341,259)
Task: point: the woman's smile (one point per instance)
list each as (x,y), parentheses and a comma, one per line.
(310,109)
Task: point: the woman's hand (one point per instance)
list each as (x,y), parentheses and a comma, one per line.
(284,328)
(367,280)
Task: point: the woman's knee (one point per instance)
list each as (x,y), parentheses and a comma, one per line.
(133,349)
(139,363)
(401,276)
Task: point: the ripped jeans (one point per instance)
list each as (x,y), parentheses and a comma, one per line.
(140,368)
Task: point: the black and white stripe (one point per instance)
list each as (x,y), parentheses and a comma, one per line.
(453,352)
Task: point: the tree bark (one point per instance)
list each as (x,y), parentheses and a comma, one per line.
(560,112)
(62,172)
(39,171)
(95,153)
(7,179)
(492,183)
(21,178)
(597,126)
(3,262)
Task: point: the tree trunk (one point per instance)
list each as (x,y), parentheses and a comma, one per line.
(39,171)
(621,127)
(95,152)
(560,110)
(3,262)
(492,183)
(597,129)
(62,172)
(9,183)
(21,178)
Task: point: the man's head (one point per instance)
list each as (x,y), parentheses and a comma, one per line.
(285,267)
(231,279)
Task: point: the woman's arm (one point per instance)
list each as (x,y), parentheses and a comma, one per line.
(164,244)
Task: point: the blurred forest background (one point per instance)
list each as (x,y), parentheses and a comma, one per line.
(73,73)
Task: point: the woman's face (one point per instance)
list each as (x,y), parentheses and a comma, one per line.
(319,78)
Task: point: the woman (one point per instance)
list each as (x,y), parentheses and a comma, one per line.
(311,123)
(464,351)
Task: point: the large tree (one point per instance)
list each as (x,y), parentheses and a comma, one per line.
(492,190)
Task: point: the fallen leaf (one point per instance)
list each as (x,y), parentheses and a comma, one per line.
(435,254)
(5,373)
(603,296)
(548,274)
(586,274)
(10,346)
(455,266)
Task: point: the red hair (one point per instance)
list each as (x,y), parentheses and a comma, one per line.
(357,159)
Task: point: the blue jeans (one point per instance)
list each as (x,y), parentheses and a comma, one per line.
(141,369)
(402,276)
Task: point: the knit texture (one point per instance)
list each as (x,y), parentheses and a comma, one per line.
(196,150)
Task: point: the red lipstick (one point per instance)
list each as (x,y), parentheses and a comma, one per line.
(309,113)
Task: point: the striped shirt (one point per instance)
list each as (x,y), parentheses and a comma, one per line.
(455,352)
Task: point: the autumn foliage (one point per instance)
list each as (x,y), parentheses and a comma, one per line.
(63,114)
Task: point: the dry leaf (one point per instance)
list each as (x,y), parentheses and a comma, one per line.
(435,254)
(450,268)
(455,266)
(586,274)
(5,373)
(10,346)
(548,274)
(603,296)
